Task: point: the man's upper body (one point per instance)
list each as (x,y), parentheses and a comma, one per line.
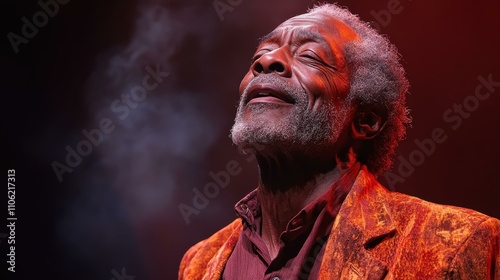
(322,109)
(377,234)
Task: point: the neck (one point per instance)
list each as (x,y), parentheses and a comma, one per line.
(287,184)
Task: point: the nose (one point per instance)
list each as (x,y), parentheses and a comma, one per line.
(273,61)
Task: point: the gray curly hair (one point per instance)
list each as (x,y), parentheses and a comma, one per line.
(376,78)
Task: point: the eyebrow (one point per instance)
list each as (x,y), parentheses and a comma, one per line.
(271,37)
(302,36)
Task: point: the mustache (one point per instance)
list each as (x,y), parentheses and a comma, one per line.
(278,81)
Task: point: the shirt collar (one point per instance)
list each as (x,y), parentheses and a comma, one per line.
(248,208)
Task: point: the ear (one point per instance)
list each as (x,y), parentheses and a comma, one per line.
(368,122)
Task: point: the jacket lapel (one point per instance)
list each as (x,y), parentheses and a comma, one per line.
(361,224)
(216,265)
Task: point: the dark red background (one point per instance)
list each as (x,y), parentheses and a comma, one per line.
(119,208)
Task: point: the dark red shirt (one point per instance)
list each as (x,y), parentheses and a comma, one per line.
(301,247)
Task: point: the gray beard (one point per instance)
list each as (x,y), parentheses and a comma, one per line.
(302,130)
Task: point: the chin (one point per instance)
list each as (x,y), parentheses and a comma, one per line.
(268,112)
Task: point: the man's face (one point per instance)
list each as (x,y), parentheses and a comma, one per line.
(293,94)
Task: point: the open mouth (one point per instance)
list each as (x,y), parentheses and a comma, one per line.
(267,93)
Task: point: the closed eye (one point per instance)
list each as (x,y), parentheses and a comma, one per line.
(311,55)
(254,58)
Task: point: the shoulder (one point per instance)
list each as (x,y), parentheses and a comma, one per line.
(409,211)
(197,257)
(433,240)
(464,243)
(445,220)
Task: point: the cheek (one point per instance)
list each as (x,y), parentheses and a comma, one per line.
(323,85)
(244,82)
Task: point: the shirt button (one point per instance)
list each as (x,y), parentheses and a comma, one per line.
(244,207)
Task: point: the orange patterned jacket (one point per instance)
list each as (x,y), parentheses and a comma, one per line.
(379,234)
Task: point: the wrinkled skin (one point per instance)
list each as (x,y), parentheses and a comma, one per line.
(293,117)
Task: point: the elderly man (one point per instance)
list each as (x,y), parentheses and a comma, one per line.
(322,109)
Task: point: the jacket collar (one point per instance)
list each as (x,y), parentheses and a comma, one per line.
(362,223)
(216,265)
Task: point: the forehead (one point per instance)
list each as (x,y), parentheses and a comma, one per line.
(313,26)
